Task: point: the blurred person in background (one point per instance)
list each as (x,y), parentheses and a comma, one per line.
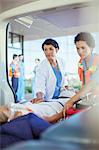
(37,62)
(21,87)
(14,73)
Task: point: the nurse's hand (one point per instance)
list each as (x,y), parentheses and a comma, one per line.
(37,100)
(67,106)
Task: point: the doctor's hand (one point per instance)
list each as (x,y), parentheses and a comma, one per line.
(37,100)
(67,106)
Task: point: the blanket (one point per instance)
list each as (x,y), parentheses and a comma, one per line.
(23,128)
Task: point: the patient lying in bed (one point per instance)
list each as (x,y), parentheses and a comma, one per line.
(50,111)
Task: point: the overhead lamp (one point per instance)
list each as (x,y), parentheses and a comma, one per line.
(26,21)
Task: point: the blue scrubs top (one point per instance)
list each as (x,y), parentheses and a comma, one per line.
(58,82)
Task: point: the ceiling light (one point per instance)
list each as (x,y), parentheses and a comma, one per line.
(26,21)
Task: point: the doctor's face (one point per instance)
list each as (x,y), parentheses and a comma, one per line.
(50,51)
(83,49)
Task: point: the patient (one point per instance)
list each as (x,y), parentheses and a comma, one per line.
(50,111)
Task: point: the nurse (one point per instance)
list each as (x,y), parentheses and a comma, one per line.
(85,44)
(88,66)
(50,75)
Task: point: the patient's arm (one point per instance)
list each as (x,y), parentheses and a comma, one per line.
(54,118)
(37,100)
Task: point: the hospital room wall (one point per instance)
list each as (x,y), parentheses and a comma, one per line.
(32,50)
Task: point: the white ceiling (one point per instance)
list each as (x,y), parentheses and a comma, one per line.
(59,21)
(9,4)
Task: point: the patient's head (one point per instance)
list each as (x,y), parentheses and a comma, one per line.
(4,114)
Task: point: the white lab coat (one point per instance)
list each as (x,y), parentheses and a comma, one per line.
(45,80)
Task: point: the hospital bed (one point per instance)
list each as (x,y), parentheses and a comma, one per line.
(25,128)
(77,133)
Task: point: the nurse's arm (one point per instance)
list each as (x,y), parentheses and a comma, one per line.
(82,93)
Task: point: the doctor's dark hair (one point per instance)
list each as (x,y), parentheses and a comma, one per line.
(50,42)
(87,37)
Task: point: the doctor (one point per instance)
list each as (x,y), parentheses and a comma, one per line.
(50,75)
